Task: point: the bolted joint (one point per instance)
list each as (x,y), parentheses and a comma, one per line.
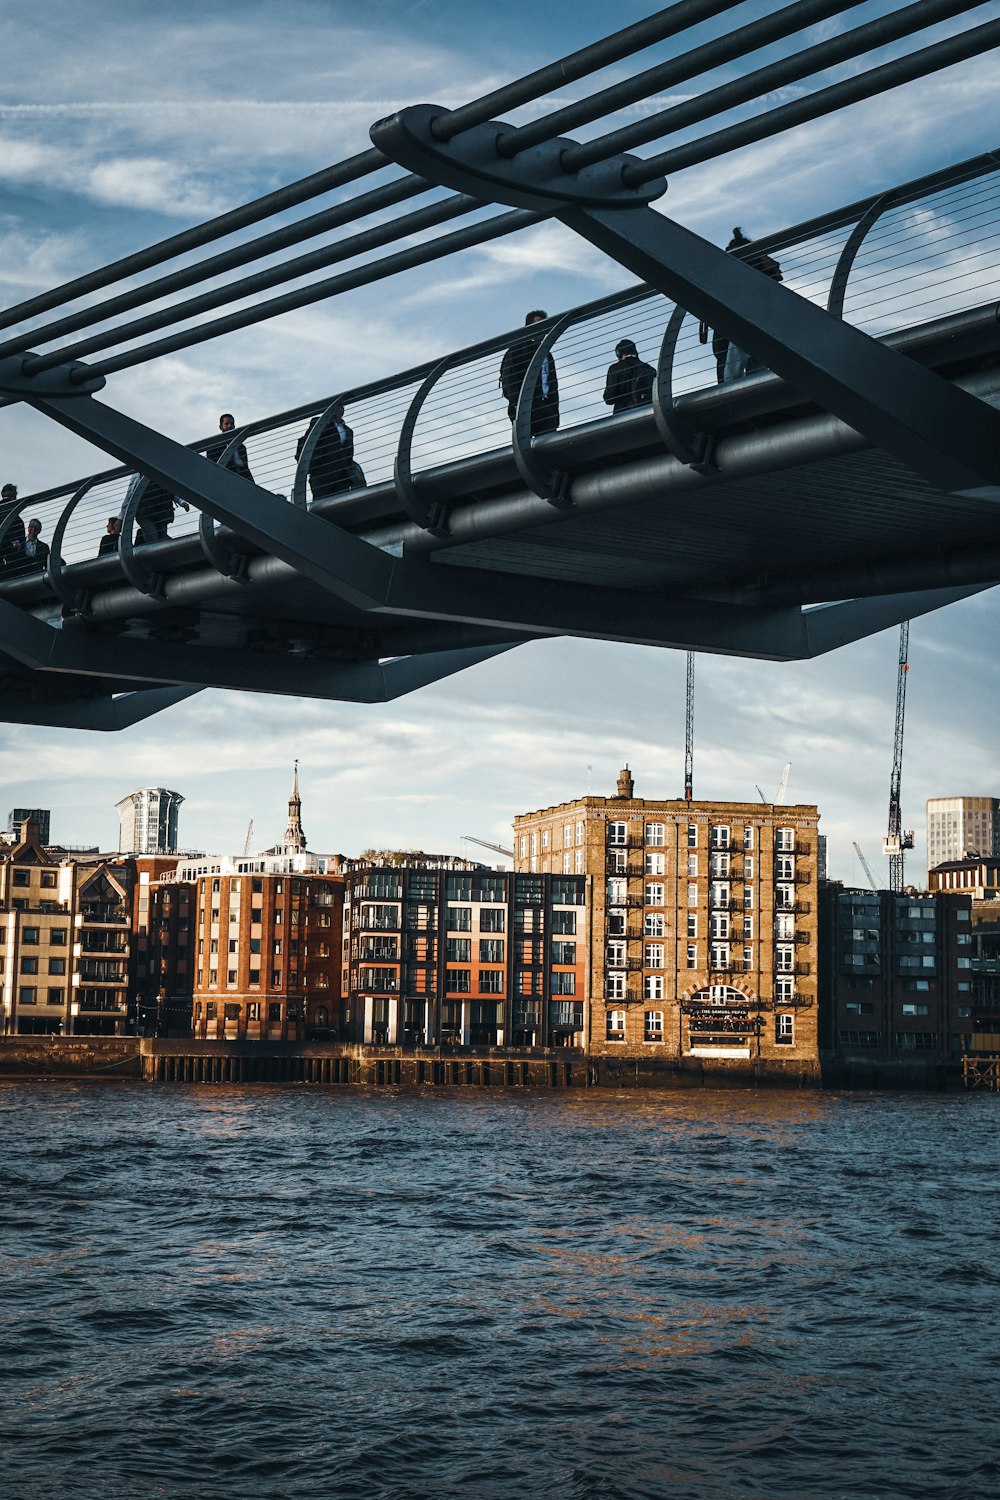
(474,163)
(75,379)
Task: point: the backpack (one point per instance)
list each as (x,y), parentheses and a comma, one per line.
(641,386)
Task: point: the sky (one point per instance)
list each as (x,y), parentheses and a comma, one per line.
(123,121)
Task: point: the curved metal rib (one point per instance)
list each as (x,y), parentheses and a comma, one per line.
(299,496)
(432,518)
(71,597)
(138,576)
(550,484)
(679,437)
(229,564)
(849,254)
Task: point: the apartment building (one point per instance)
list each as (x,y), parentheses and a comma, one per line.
(267,954)
(703,927)
(466,957)
(65,940)
(897,981)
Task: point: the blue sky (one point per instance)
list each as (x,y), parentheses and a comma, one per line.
(123,122)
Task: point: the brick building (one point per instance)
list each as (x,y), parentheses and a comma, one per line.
(464,957)
(65,940)
(703,927)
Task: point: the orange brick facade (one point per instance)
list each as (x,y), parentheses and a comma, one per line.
(703,924)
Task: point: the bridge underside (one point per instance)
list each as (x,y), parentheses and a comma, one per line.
(794,509)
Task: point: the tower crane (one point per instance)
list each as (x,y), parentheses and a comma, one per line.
(867,868)
(484,843)
(783,785)
(246,841)
(898,840)
(689,732)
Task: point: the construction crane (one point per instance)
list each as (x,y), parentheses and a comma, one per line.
(689,732)
(485,844)
(246,841)
(783,785)
(898,840)
(867,868)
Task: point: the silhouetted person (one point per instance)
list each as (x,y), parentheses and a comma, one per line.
(331,467)
(112,538)
(35,552)
(11,549)
(237,460)
(738,361)
(630,379)
(513,369)
(155,510)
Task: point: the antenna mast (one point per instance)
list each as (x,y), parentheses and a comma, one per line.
(897,840)
(689,732)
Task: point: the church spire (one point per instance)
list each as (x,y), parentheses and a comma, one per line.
(294,841)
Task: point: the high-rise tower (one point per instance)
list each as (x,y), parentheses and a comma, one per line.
(148,819)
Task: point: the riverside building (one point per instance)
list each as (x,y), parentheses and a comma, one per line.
(703,928)
(65,941)
(464,957)
(959,826)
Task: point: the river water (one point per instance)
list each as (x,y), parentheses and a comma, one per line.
(242,1294)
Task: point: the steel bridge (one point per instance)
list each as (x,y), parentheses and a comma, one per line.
(851,483)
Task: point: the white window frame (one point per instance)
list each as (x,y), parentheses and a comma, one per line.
(652,987)
(656,834)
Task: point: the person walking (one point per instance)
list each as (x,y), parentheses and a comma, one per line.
(630,380)
(112,538)
(514,368)
(738,361)
(155,509)
(35,553)
(12,547)
(237,460)
(331,467)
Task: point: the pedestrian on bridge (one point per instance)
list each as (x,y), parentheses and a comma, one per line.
(331,467)
(630,379)
(11,549)
(738,361)
(35,552)
(513,369)
(237,460)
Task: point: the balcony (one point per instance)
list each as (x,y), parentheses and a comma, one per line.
(803,908)
(801,936)
(803,968)
(802,877)
(377,954)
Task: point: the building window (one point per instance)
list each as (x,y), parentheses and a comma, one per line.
(492,919)
(566,859)
(785,867)
(564,953)
(784,988)
(274,1011)
(692,931)
(655,834)
(460,919)
(523,846)
(57,936)
(784,840)
(568,836)
(458,981)
(616,892)
(652,1030)
(784,925)
(491,981)
(652,987)
(29,965)
(719,924)
(458,950)
(617,834)
(692,866)
(720,895)
(57,966)
(719,836)
(692,835)
(55,996)
(654,955)
(614,986)
(27,994)
(692,956)
(748,867)
(615,923)
(29,934)
(231,977)
(654,893)
(579,862)
(654,924)
(616,1026)
(21,877)
(747,958)
(748,927)
(784,959)
(579,833)
(747,838)
(564,922)
(562,984)
(720,955)
(616,955)
(655,864)
(912,1008)
(692,893)
(491,950)
(784,1031)
(545,838)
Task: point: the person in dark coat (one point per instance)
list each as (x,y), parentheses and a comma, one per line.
(630,379)
(513,369)
(331,468)
(155,510)
(237,460)
(12,547)
(35,553)
(738,361)
(112,538)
